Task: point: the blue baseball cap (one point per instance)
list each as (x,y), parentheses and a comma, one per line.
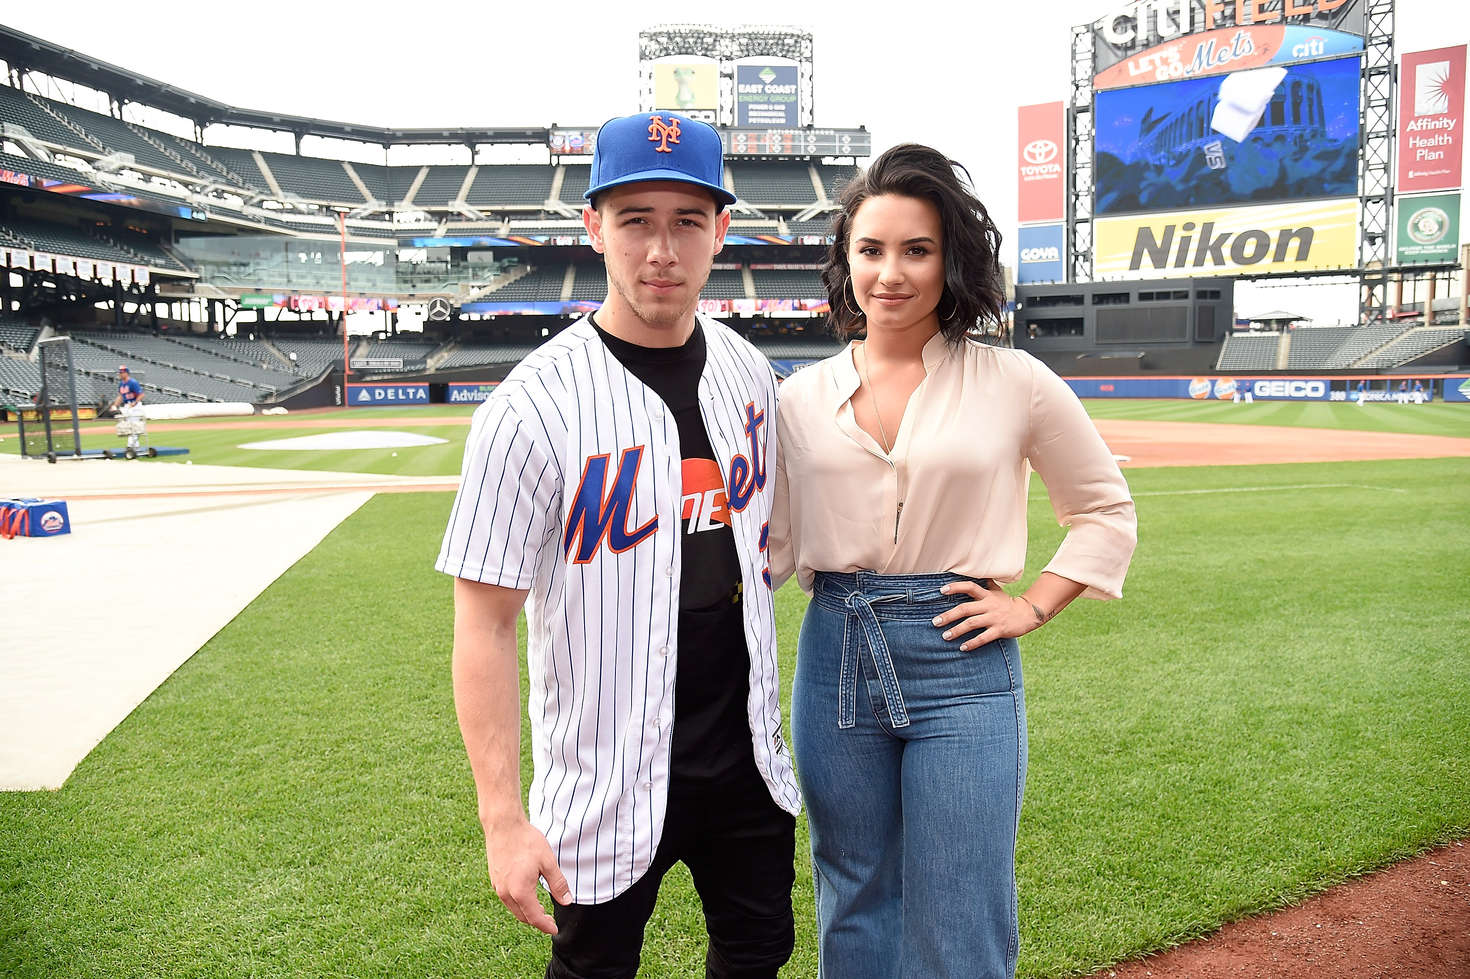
(123,369)
(658,146)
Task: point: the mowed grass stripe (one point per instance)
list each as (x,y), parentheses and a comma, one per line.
(1273,707)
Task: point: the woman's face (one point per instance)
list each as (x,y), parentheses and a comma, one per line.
(895,253)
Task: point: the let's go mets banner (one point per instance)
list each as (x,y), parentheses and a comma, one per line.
(1294,237)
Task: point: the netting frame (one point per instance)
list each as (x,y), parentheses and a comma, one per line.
(54,403)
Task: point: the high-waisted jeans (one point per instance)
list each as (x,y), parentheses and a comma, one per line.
(912,761)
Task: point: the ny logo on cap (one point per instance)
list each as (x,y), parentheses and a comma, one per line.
(663,133)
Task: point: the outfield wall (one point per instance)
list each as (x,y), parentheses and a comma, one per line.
(1446,387)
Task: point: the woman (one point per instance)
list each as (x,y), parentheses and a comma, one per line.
(901,505)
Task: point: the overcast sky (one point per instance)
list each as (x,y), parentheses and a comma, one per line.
(902,70)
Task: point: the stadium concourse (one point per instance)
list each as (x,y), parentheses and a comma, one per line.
(160,558)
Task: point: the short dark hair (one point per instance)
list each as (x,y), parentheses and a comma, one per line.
(973,292)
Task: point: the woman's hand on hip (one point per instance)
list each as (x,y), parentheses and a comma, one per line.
(991,611)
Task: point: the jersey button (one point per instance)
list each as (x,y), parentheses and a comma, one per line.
(663,650)
(668,572)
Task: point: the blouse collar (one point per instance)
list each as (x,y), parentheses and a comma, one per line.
(935,352)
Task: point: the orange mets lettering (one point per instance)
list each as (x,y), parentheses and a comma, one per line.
(663,133)
(597,516)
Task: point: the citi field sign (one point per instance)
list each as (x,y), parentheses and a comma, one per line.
(1161,40)
(1294,237)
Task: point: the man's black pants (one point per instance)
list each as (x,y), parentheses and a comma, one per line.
(739,848)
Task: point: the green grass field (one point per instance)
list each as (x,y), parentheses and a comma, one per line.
(1276,705)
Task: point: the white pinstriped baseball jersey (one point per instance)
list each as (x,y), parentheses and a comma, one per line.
(571,488)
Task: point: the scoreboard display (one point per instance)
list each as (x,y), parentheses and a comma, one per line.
(796,142)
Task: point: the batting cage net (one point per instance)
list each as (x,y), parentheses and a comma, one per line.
(54,429)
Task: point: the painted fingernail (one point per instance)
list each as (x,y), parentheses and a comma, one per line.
(944,589)
(948,635)
(937,620)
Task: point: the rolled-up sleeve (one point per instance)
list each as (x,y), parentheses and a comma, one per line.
(1086,487)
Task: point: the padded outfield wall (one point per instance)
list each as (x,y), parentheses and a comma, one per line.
(1381,387)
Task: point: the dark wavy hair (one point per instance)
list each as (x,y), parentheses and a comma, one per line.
(973,293)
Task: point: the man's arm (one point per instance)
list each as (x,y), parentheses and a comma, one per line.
(487,699)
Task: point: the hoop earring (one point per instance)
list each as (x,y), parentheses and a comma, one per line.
(847,306)
(954,308)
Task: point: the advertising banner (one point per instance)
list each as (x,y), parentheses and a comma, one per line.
(1148,25)
(1268,134)
(1431,116)
(470,394)
(1203,388)
(692,89)
(1294,237)
(377,395)
(1428,228)
(1042,188)
(1456,389)
(572,142)
(1042,253)
(767,95)
(1225,50)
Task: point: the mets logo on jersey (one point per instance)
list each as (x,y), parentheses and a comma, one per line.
(600,514)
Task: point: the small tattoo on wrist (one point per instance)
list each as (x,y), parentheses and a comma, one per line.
(1040,615)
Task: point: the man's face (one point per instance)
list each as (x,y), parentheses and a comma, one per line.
(122,377)
(659,239)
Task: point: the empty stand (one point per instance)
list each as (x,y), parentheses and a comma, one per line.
(475,355)
(834,177)
(541,284)
(17,334)
(788,284)
(511,185)
(313,179)
(574,184)
(782,182)
(441,185)
(724,284)
(590,284)
(1249,352)
(1315,346)
(1416,343)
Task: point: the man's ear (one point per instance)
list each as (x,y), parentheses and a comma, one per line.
(592,221)
(722,225)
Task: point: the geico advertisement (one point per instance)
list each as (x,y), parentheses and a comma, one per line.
(1280,238)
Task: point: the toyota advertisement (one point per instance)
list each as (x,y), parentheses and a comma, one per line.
(1041,163)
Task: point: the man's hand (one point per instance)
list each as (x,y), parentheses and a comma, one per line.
(517,856)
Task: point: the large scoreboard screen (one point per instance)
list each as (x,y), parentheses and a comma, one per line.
(796,142)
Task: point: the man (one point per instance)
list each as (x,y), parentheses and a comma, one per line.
(617,483)
(130,397)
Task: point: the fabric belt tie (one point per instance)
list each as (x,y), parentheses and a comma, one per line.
(878,657)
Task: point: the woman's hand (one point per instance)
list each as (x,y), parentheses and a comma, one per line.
(996,614)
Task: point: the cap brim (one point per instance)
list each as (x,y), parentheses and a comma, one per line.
(721,194)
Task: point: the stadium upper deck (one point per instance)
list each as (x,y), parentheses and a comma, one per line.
(49,144)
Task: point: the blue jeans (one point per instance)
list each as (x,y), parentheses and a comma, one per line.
(912,761)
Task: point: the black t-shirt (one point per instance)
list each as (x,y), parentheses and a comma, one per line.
(711,726)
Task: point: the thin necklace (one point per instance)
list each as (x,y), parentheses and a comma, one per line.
(873,396)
